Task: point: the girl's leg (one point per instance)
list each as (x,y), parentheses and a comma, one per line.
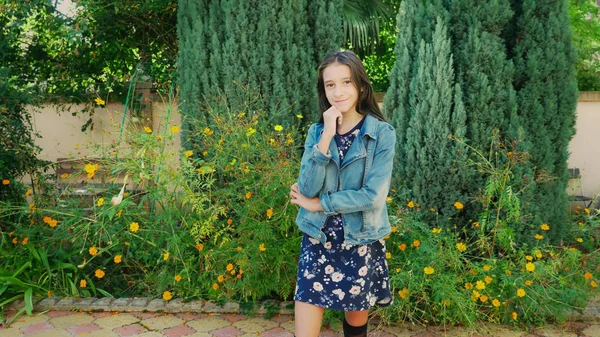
(308,319)
(355,323)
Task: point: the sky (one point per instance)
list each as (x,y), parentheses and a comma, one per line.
(67,7)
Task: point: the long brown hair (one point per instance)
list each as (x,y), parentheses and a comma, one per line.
(366,98)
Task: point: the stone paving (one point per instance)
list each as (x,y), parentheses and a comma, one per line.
(153,321)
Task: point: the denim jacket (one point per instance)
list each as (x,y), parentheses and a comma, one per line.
(356,188)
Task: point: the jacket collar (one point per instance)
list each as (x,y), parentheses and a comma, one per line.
(369,127)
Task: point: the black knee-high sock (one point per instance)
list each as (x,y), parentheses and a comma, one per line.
(354,331)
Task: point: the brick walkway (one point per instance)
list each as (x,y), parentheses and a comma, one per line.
(145,324)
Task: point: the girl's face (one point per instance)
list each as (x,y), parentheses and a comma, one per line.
(339,89)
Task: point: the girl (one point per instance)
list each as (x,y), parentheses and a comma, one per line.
(344,180)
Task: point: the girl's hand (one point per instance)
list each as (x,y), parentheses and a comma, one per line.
(332,118)
(310,204)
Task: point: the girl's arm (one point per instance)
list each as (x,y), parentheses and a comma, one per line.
(376,185)
(312,166)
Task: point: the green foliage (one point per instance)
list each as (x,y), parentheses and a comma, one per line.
(271,47)
(585,23)
(478,272)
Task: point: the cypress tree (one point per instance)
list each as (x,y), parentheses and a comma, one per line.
(250,47)
(540,41)
(426,107)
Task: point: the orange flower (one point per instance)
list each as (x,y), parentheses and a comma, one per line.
(93,251)
(15,241)
(118,259)
(593,284)
(539,237)
(468,285)
(229,221)
(216,286)
(269,213)
(25,241)
(411,204)
(483,298)
(82,284)
(29,192)
(239,249)
(528,283)
(248,195)
(488,279)
(416,243)
(402,246)
(5,182)
(199,247)
(167,296)
(588,276)
(403,293)
(495,302)
(229,267)
(99,273)
(177,278)
(220,279)
(514,315)
(458,205)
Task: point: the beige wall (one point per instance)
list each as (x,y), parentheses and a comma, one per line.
(62,138)
(585,145)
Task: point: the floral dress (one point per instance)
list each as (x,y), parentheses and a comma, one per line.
(338,276)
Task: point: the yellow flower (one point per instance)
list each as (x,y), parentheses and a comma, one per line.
(483,299)
(588,276)
(402,246)
(520,292)
(508,272)
(495,302)
(250,131)
(458,205)
(388,200)
(174,129)
(93,251)
(545,227)
(580,240)
(528,257)
(100,202)
(29,192)
(278,128)
(530,266)
(587,211)
(248,195)
(475,224)
(207,131)
(91,170)
(388,255)
(221,279)
(159,138)
(299,116)
(261,247)
(177,278)
(216,286)
(476,295)
(468,285)
(446,302)
(167,296)
(119,213)
(118,259)
(528,283)
(398,270)
(436,230)
(53,223)
(514,315)
(593,284)
(147,129)
(403,293)
(394,229)
(486,267)
(488,279)
(134,227)
(166,256)
(49,293)
(82,284)
(229,267)
(188,153)
(538,255)
(269,213)
(99,273)
(461,247)
(480,285)
(539,237)
(428,270)
(204,153)
(416,243)
(411,204)
(99,101)
(239,249)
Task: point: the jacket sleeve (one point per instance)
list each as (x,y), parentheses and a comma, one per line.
(376,184)
(312,166)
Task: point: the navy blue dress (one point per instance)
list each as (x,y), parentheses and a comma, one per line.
(340,277)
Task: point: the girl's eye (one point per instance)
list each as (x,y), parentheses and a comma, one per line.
(347,82)
(328,85)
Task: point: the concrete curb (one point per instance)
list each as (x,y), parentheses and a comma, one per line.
(152,305)
(590,314)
